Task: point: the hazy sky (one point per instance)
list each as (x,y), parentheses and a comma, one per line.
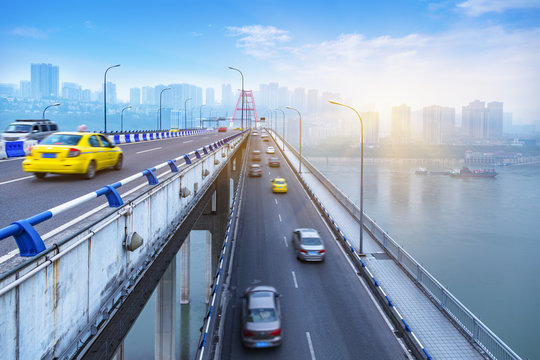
(377,53)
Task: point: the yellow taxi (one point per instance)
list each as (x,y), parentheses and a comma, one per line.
(174,130)
(279,185)
(73,153)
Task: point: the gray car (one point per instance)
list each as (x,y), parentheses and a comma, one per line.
(261,317)
(308,245)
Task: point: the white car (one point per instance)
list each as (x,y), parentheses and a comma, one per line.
(270,150)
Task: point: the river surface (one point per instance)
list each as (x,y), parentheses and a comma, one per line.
(479,237)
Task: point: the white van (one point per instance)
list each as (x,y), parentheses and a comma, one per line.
(22,130)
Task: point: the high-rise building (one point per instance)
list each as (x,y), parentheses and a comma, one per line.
(72,91)
(135,96)
(148,97)
(44,81)
(7,90)
(438,124)
(227,97)
(312,101)
(401,124)
(299,99)
(370,120)
(494,120)
(25,89)
(473,120)
(210,97)
(111,93)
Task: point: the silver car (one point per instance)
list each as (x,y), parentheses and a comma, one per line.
(261,317)
(308,245)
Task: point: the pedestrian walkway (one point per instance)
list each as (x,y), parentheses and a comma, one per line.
(440,337)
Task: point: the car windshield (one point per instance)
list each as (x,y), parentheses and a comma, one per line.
(280,182)
(61,139)
(311,241)
(261,315)
(18,128)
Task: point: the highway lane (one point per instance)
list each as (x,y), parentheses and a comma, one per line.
(326,311)
(22,195)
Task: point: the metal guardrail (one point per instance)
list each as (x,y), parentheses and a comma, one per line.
(30,242)
(463,317)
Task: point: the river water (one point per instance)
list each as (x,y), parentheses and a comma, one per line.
(479,237)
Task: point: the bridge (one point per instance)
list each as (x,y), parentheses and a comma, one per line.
(110,241)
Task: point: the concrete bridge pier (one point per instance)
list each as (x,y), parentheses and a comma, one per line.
(184,271)
(165,345)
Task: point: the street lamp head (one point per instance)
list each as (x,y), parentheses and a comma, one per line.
(57,104)
(168,89)
(334,102)
(288,107)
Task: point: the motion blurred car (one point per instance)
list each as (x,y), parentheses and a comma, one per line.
(308,245)
(261,317)
(273,162)
(22,130)
(255,170)
(73,153)
(174,130)
(256,155)
(279,185)
(237,128)
(255,134)
(265,137)
(270,150)
(222,129)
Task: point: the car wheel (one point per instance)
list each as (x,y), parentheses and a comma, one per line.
(40,175)
(91,171)
(119,162)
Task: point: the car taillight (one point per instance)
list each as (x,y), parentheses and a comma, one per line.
(303,251)
(73,153)
(248,333)
(322,251)
(276,332)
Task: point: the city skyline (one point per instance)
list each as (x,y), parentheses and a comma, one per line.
(377,55)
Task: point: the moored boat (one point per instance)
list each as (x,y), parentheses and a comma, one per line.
(466,172)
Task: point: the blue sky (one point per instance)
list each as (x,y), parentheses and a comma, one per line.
(376,53)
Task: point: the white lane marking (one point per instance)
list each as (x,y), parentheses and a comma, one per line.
(143,151)
(19,179)
(274,199)
(285,241)
(279,215)
(311,351)
(294,279)
(13,159)
(269,173)
(185,142)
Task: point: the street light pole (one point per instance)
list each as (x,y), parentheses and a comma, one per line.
(122,118)
(300,115)
(105,94)
(361,243)
(160,94)
(185,112)
(200,116)
(57,104)
(242,111)
(283,113)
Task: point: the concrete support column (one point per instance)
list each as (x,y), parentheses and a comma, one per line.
(184,272)
(165,345)
(209,274)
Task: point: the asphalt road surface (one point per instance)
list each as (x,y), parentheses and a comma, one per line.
(327,313)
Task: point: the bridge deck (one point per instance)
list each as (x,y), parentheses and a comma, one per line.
(439,336)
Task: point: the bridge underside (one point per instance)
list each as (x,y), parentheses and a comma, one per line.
(210,214)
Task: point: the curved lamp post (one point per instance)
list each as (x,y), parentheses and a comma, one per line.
(105,95)
(122,118)
(283,112)
(160,95)
(300,115)
(57,104)
(242,111)
(185,112)
(361,243)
